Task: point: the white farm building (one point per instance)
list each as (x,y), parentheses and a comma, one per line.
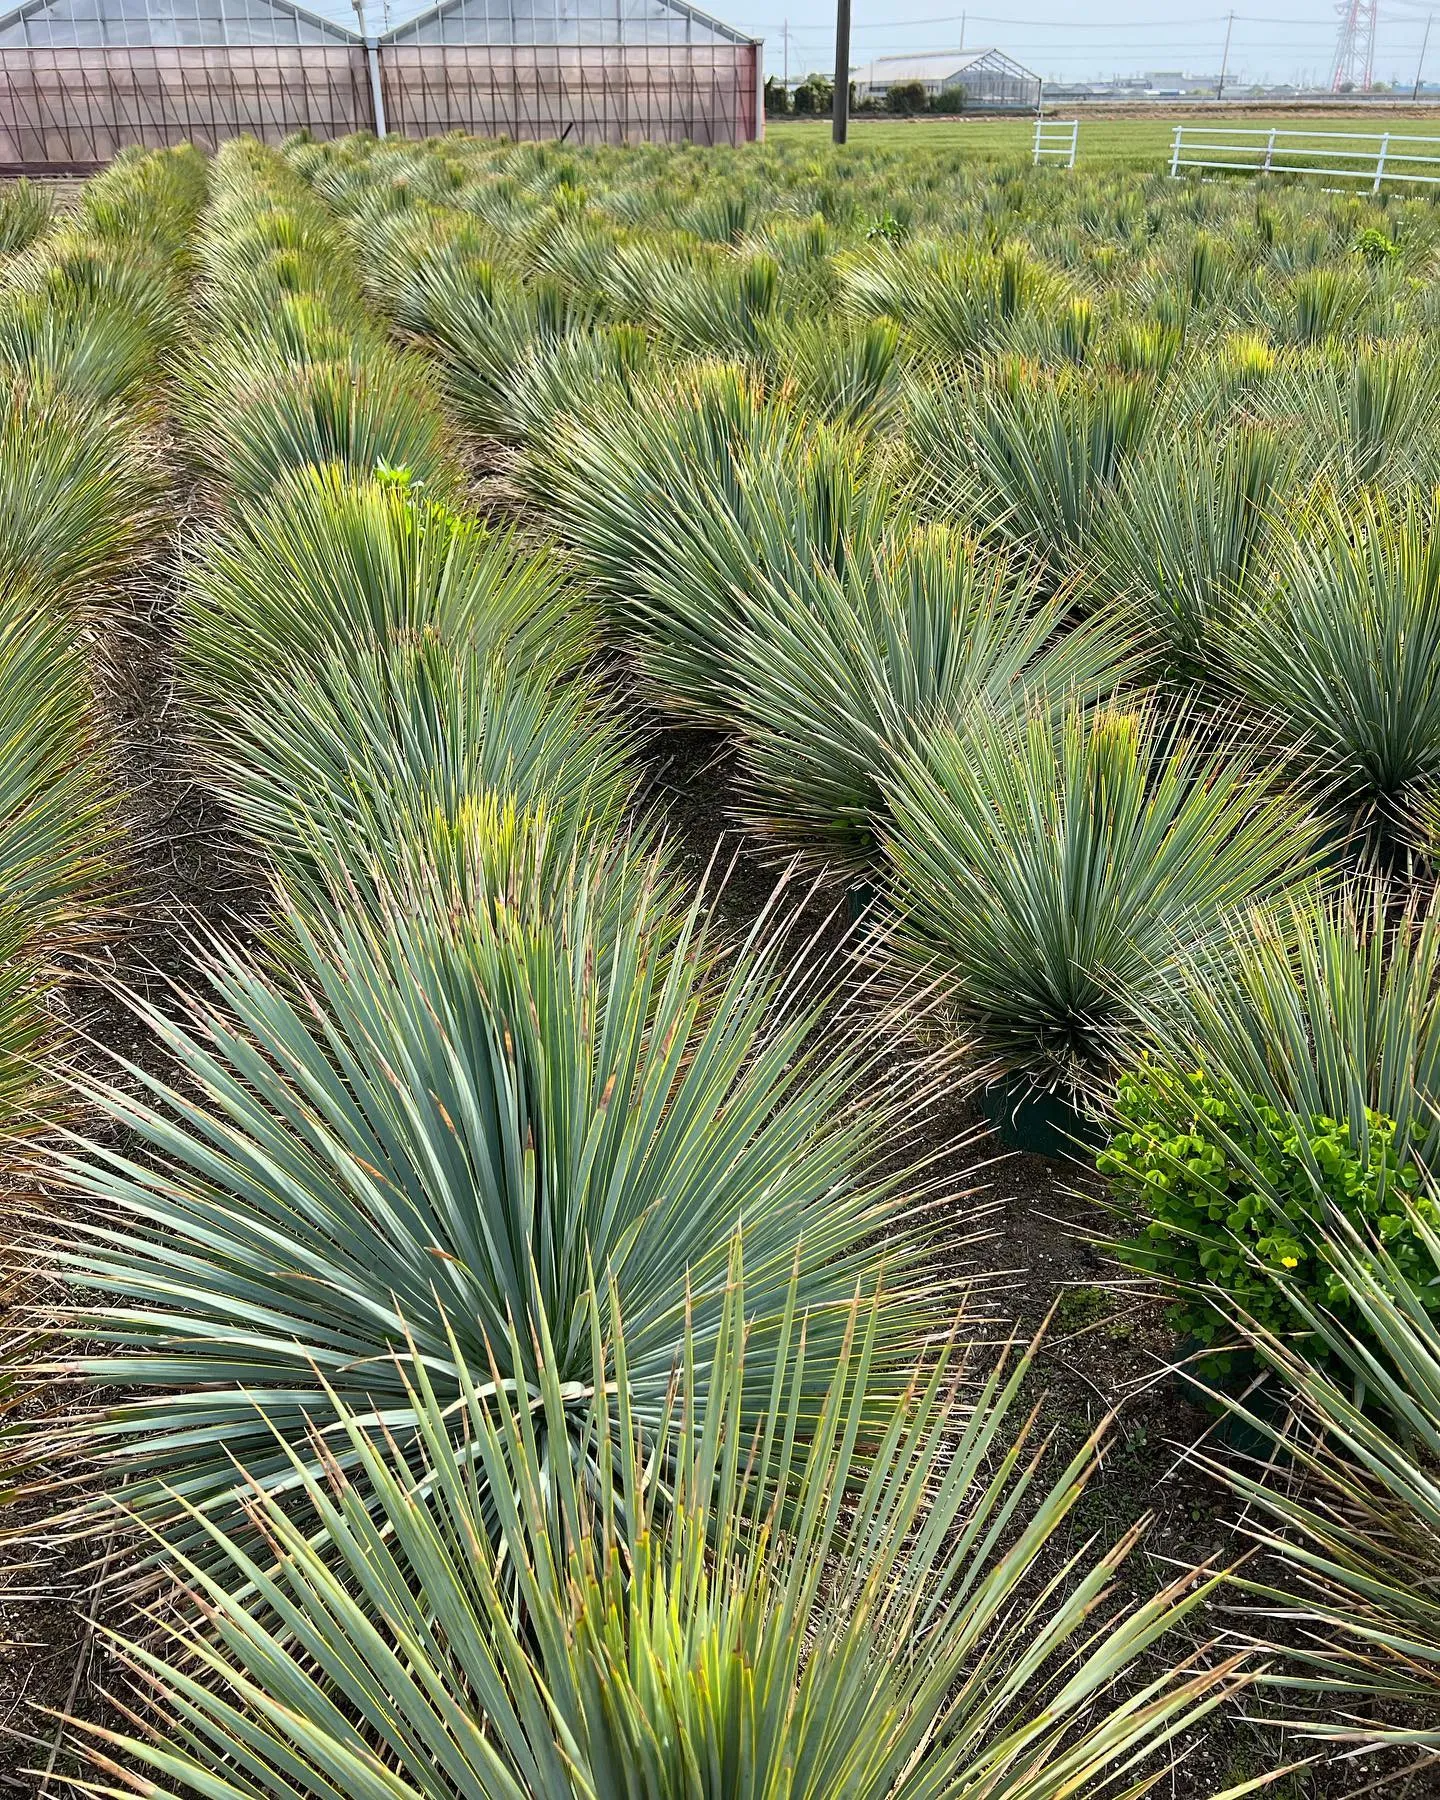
(989,78)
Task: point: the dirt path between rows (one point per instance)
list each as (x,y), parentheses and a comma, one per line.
(185,877)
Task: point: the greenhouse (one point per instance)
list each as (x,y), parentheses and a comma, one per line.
(83,79)
(987,80)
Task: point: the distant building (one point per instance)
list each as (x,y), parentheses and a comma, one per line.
(989,78)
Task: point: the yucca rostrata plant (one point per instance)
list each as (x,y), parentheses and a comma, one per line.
(253,416)
(715,1606)
(482,325)
(103,354)
(439,1131)
(717,305)
(74,499)
(844,371)
(1319,1006)
(363,766)
(1342,653)
(1029,455)
(328,563)
(953,302)
(1186,535)
(694,493)
(837,674)
(25,211)
(574,374)
(1049,868)
(57,826)
(303,299)
(1346,1506)
(1359,414)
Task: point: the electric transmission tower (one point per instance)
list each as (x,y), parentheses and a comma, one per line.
(1355,46)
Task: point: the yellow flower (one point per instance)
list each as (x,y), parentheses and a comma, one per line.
(1289,1262)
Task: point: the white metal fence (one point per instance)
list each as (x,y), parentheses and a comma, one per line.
(1056,140)
(1369,157)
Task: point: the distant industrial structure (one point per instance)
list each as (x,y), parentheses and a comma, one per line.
(1154,84)
(1355,47)
(988,79)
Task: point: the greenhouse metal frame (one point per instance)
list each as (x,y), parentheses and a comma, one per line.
(83,79)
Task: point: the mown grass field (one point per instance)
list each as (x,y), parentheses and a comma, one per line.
(1138,142)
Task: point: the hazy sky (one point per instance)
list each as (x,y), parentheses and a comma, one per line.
(1280,40)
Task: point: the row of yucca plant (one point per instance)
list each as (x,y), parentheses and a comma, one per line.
(1182,544)
(1094,882)
(931,186)
(87,310)
(1038,286)
(779,582)
(531,1359)
(1053,450)
(25,212)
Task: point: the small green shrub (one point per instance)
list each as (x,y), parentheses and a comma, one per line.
(1237,1192)
(906,98)
(1373,246)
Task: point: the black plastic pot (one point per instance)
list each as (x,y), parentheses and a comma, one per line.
(1037,1121)
(1208,1379)
(859,898)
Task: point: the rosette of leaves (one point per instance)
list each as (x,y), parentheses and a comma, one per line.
(74,497)
(327,564)
(836,675)
(689,499)
(1030,456)
(1186,537)
(1342,653)
(252,416)
(1049,865)
(433,1138)
(1324,1004)
(719,1605)
(368,771)
(1343,1502)
(58,833)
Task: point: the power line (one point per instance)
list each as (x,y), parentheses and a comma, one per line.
(1125,27)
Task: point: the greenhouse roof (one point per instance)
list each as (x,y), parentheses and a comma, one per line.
(103,23)
(930,65)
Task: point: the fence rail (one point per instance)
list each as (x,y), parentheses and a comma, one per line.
(1056,140)
(1370,158)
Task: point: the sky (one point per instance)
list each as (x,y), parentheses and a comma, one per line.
(1279,40)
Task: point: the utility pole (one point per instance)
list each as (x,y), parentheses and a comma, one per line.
(1225,56)
(1420,62)
(840,116)
(962,31)
(785,40)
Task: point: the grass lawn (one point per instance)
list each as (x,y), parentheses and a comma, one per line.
(1141,141)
